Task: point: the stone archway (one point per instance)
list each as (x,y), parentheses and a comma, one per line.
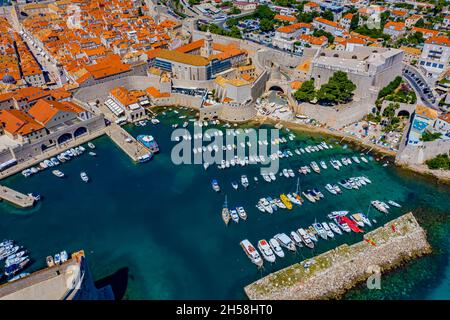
(64,138)
(404,113)
(79,132)
(276,88)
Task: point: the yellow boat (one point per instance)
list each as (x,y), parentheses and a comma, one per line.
(286,201)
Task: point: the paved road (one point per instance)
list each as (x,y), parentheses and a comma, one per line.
(421,96)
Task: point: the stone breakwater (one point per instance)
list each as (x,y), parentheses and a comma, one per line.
(330,274)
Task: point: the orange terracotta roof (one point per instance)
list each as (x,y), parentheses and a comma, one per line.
(426,112)
(325,21)
(442,41)
(191,46)
(281,17)
(18,122)
(398,26)
(44,110)
(155,93)
(425,31)
(445,117)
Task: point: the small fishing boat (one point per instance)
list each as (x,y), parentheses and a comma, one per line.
(276,248)
(84,176)
(241,212)
(244,181)
(358,219)
(320,230)
(312,234)
(266,204)
(286,201)
(225,212)
(297,239)
(235,185)
(335,228)
(64,256)
(215,185)
(266,250)
(251,253)
(92,153)
(328,230)
(305,238)
(91,145)
(58,173)
(364,159)
(234,215)
(394,204)
(50,262)
(57,258)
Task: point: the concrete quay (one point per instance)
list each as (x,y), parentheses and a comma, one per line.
(70,280)
(50,153)
(133,148)
(330,274)
(12,196)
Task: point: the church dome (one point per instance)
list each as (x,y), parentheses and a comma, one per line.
(7,79)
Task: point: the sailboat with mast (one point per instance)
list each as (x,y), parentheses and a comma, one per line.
(296,193)
(225,212)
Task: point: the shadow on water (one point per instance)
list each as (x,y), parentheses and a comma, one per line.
(118,282)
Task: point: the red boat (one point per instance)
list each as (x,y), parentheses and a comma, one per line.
(352,224)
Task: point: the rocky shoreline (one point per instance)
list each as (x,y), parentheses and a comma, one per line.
(330,274)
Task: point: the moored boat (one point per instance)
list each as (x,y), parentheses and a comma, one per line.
(285,200)
(276,248)
(266,250)
(285,241)
(241,212)
(251,253)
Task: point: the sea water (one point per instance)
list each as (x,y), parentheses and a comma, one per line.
(154,230)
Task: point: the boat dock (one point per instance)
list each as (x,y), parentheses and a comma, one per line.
(67,281)
(19,199)
(133,148)
(330,274)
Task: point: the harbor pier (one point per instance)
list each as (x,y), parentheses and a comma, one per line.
(330,274)
(19,199)
(133,148)
(70,280)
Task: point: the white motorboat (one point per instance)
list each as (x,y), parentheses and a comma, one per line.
(285,241)
(91,145)
(394,204)
(234,215)
(251,253)
(241,212)
(335,228)
(305,238)
(297,239)
(276,248)
(330,188)
(58,173)
(320,230)
(266,204)
(266,251)
(84,176)
(328,230)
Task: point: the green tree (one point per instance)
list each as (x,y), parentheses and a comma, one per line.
(306,92)
(328,14)
(264,12)
(266,25)
(355,22)
(420,23)
(441,161)
(320,32)
(339,89)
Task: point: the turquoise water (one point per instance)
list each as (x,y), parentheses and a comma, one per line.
(156,227)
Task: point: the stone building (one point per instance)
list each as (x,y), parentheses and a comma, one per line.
(369,68)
